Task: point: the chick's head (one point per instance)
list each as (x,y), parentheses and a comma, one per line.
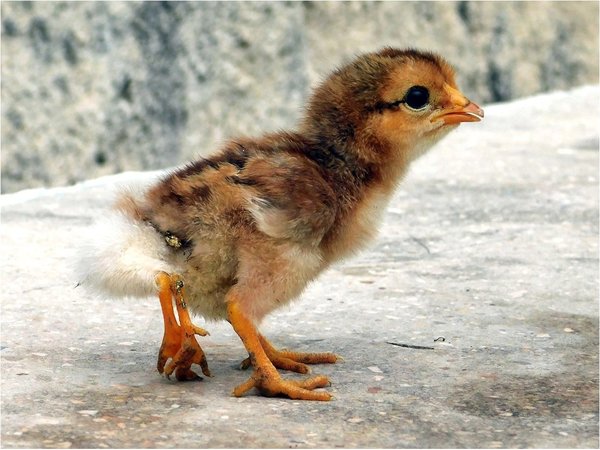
(394,101)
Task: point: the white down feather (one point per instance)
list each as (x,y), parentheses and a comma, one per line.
(121,257)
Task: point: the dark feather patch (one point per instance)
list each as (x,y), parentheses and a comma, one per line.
(235,154)
(200,193)
(195,167)
(390,52)
(237,160)
(243,181)
(330,158)
(170,194)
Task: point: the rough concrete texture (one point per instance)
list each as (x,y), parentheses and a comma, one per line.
(491,243)
(94,88)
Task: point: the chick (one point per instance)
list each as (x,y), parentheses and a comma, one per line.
(241,233)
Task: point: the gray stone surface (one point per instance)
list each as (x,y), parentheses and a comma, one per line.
(491,243)
(94,88)
(501,50)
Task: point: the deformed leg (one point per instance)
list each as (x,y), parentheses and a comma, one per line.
(179,341)
(265,377)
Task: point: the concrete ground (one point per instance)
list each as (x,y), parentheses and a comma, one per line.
(488,255)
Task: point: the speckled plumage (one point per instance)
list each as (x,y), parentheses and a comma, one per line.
(264,216)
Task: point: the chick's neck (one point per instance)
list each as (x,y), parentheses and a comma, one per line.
(352,158)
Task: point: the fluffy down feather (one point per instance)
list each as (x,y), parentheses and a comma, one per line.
(122,256)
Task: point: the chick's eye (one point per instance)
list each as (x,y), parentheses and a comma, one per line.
(417,97)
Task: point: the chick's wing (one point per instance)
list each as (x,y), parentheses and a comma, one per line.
(288,198)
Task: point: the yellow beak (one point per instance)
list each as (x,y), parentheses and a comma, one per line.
(469,113)
(464,110)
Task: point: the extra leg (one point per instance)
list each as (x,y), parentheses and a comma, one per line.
(265,377)
(179,341)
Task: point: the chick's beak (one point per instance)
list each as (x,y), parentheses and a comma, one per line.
(469,113)
(463,110)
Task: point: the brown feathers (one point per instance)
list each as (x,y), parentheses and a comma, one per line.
(241,233)
(319,191)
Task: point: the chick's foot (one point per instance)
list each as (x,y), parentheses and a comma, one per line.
(270,384)
(179,341)
(288,360)
(265,377)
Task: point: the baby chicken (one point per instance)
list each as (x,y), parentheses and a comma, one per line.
(241,233)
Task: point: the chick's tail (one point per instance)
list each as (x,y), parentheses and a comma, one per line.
(121,256)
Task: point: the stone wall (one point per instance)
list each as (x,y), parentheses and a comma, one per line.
(94,88)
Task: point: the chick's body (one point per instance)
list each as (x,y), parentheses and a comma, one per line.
(252,216)
(261,215)
(247,229)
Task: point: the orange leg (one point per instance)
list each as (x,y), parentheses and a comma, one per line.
(265,377)
(293,361)
(179,341)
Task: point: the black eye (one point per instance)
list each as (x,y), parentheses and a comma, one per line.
(417,97)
